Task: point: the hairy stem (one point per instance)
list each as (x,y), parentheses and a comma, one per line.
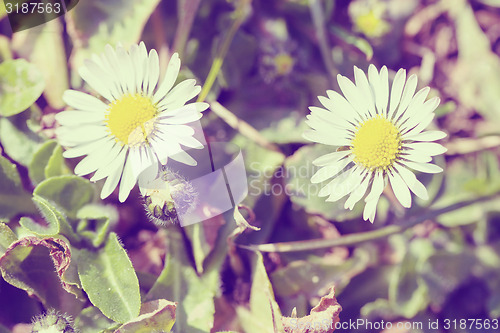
(361,237)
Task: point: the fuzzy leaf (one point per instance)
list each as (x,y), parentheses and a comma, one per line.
(195,294)
(7,237)
(155,315)
(69,192)
(91,320)
(13,198)
(322,318)
(110,281)
(36,168)
(264,314)
(29,264)
(18,139)
(21,83)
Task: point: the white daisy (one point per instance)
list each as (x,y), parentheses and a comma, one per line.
(140,123)
(382,137)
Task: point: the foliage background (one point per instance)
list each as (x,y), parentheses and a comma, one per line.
(438,260)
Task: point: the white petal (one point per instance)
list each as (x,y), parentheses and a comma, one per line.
(109,165)
(423,167)
(181,93)
(339,105)
(96,78)
(383,99)
(370,210)
(407,96)
(377,187)
(414,156)
(400,189)
(74,118)
(82,101)
(347,186)
(128,180)
(357,194)
(396,91)
(353,95)
(427,148)
(72,136)
(330,171)
(127,68)
(331,158)
(366,90)
(114,177)
(330,117)
(94,160)
(170,77)
(86,148)
(315,136)
(422,113)
(413,183)
(416,105)
(426,136)
(154,71)
(420,126)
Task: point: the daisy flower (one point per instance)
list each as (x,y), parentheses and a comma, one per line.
(382,137)
(135,123)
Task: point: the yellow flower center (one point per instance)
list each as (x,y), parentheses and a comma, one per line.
(128,118)
(376,144)
(283,64)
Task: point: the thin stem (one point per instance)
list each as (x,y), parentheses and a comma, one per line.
(319,24)
(187,10)
(466,146)
(240,14)
(361,237)
(241,126)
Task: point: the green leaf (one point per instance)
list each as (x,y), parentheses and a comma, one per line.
(179,282)
(408,293)
(50,215)
(444,271)
(18,139)
(32,44)
(21,83)
(36,266)
(155,315)
(36,168)
(315,275)
(68,192)
(361,44)
(110,281)
(95,222)
(47,162)
(466,179)
(13,198)
(264,314)
(475,77)
(56,165)
(7,237)
(91,320)
(55,219)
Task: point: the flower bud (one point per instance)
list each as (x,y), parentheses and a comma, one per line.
(53,322)
(169,196)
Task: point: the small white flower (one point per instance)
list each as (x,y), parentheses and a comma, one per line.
(382,137)
(141,123)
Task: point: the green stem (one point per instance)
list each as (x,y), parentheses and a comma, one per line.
(356,238)
(240,14)
(187,10)
(319,24)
